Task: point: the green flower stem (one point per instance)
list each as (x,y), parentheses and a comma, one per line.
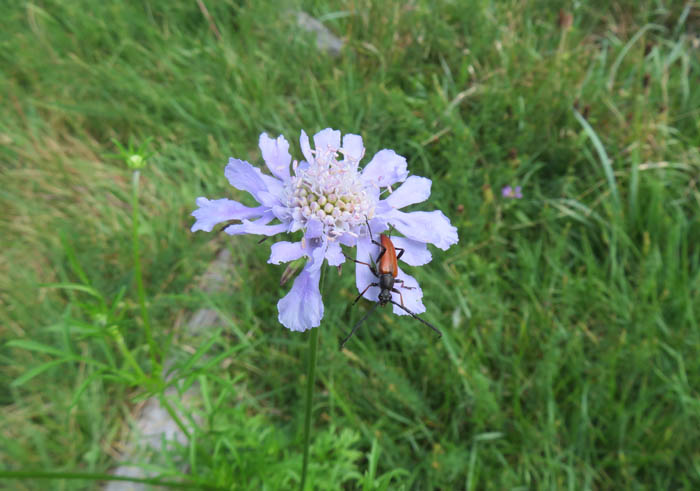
(310,378)
(137,268)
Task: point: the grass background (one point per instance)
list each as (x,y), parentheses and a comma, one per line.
(570,355)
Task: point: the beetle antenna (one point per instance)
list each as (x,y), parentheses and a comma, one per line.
(368,228)
(342,343)
(418,318)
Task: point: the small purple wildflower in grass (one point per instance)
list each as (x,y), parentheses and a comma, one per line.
(509,192)
(330,200)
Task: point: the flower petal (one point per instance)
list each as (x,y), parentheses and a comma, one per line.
(353,147)
(377,226)
(415,190)
(283,213)
(348,240)
(275,188)
(381,210)
(328,139)
(212,212)
(415,253)
(314,229)
(425,226)
(316,250)
(258,227)
(334,254)
(243,176)
(305,147)
(254,228)
(386,168)
(411,293)
(276,154)
(284,252)
(302,307)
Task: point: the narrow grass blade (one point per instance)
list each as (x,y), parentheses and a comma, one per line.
(603,155)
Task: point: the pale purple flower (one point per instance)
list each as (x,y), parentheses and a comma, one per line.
(509,192)
(330,199)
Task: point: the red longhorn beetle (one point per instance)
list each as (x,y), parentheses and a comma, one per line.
(386,271)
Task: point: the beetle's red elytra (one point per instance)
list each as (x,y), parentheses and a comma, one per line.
(388,262)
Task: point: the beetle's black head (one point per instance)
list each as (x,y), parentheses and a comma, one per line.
(384,297)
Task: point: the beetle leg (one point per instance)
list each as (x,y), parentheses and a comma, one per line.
(398,256)
(363,292)
(404,286)
(371,268)
(400,296)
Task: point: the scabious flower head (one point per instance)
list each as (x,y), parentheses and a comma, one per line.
(509,192)
(330,200)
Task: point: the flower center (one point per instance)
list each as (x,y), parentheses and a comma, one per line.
(332,192)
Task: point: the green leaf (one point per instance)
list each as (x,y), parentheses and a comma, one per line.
(34,346)
(33,372)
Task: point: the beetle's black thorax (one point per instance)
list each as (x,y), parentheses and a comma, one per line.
(386,283)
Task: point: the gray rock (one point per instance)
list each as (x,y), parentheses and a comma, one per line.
(325,39)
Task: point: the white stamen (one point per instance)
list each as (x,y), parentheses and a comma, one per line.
(332,191)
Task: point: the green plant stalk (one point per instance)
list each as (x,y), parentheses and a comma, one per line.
(124,349)
(137,269)
(310,380)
